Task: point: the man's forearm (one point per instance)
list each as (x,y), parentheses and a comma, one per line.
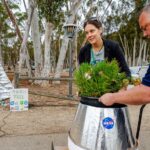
(137,95)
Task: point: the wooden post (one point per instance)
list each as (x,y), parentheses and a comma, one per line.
(16,82)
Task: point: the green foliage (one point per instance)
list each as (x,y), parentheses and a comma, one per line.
(9,43)
(51,10)
(95,80)
(128,21)
(81,38)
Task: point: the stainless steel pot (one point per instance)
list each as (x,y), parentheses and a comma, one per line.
(98,127)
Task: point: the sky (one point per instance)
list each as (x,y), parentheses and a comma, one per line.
(22,5)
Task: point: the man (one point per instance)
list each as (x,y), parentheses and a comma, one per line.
(139,94)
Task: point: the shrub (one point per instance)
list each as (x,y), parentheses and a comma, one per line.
(96,80)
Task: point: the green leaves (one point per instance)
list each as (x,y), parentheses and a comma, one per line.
(101,78)
(51,10)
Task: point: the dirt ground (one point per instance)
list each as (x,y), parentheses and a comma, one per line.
(53,95)
(56,102)
(48,115)
(47,105)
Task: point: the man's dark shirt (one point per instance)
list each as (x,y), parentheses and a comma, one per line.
(146,79)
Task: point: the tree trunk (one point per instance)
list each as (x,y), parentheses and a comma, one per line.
(1,58)
(140,52)
(47,62)
(123,45)
(36,41)
(23,50)
(74,50)
(134,51)
(25,6)
(12,18)
(61,58)
(144,60)
(24,55)
(73,10)
(139,48)
(127,51)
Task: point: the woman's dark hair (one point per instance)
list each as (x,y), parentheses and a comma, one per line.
(94,21)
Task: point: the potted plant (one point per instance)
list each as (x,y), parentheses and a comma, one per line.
(96,80)
(96,126)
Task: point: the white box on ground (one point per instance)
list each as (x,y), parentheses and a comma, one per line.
(138,70)
(19,99)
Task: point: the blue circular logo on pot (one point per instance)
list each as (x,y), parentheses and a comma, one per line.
(108,123)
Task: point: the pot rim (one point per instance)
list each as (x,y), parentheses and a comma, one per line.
(93,101)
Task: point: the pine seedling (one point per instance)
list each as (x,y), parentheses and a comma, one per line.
(96,80)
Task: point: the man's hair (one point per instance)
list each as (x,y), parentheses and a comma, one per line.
(146,9)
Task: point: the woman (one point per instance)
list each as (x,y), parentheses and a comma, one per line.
(99,49)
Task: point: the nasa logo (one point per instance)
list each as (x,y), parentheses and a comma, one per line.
(108,123)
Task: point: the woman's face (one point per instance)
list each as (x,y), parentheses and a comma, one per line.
(93,34)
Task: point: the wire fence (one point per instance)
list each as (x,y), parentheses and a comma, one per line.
(70,96)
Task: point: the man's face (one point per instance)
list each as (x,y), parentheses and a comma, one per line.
(144,22)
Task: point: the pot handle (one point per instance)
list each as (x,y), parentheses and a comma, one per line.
(139,124)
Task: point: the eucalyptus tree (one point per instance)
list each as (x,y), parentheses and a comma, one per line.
(52,12)
(120,22)
(15,17)
(129,34)
(81,10)
(73,7)
(1,59)
(24,54)
(35,33)
(117,20)
(109,12)
(12,17)
(3,28)
(8,30)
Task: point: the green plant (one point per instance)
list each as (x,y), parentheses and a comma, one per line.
(95,80)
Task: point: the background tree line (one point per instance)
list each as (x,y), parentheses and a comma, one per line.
(35,38)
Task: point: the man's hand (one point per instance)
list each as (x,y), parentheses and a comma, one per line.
(107,99)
